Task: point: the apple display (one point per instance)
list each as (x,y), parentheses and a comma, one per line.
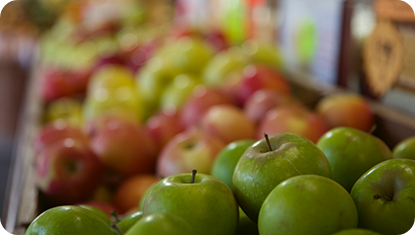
(67,171)
(405,149)
(69,220)
(293,119)
(180,195)
(202,100)
(351,153)
(225,163)
(227,123)
(257,106)
(128,195)
(346,110)
(256,77)
(188,150)
(269,162)
(307,204)
(124,149)
(384,197)
(161,224)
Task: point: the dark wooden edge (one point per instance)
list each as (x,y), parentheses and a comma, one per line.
(19,193)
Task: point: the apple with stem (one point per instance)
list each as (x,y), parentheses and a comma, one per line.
(270,161)
(179,195)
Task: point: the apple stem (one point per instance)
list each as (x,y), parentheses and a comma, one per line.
(193,175)
(269,143)
(115,227)
(114,214)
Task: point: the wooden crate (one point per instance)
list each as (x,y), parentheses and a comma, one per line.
(22,201)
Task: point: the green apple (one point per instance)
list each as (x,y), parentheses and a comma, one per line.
(307,204)
(69,220)
(161,224)
(225,163)
(205,202)
(99,213)
(143,198)
(356,232)
(177,93)
(125,224)
(405,149)
(262,53)
(246,226)
(111,77)
(351,153)
(68,109)
(385,197)
(266,164)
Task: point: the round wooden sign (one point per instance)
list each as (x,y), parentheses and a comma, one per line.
(383,57)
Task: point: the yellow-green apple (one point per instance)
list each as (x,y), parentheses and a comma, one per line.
(347,110)
(385,197)
(124,149)
(129,193)
(201,101)
(269,162)
(405,149)
(67,171)
(257,106)
(179,195)
(163,126)
(177,93)
(125,224)
(227,123)
(57,131)
(111,76)
(68,220)
(356,231)
(293,119)
(67,109)
(103,100)
(161,224)
(246,226)
(262,54)
(186,151)
(322,205)
(351,153)
(225,163)
(223,63)
(256,77)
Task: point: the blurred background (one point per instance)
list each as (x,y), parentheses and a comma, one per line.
(366,46)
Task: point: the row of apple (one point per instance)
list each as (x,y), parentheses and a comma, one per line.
(285,183)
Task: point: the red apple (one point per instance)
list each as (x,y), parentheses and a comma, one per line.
(117,59)
(294,119)
(217,40)
(107,119)
(262,101)
(124,149)
(187,151)
(346,110)
(55,85)
(261,77)
(163,127)
(128,194)
(68,171)
(227,123)
(57,131)
(202,99)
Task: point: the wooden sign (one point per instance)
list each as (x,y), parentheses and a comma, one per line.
(396,10)
(383,57)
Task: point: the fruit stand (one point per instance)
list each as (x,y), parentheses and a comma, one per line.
(124,116)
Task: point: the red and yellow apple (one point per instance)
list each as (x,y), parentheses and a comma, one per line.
(164,126)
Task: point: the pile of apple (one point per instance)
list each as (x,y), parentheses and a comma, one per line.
(203,138)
